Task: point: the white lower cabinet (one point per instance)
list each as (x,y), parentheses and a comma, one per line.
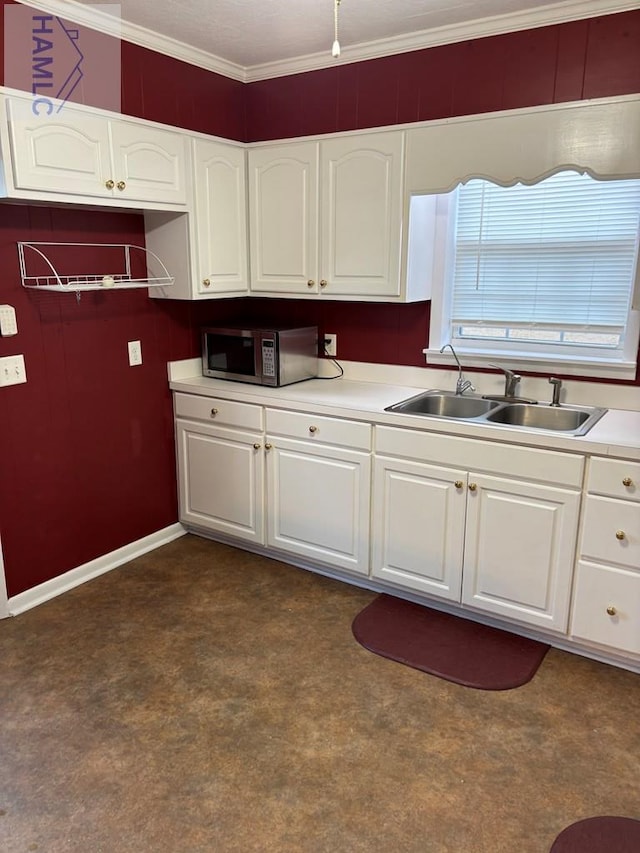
(498,544)
(318,488)
(220,466)
(606,597)
(489,526)
(418,526)
(304,490)
(519,549)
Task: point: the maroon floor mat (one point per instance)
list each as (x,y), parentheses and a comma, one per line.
(599,835)
(447,646)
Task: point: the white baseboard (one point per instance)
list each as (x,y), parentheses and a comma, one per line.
(56,586)
(4,601)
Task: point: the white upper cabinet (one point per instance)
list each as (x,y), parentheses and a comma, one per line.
(326,217)
(207,246)
(361,210)
(283,217)
(221,218)
(149,163)
(68,153)
(81,155)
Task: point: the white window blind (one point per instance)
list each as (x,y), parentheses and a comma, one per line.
(553,263)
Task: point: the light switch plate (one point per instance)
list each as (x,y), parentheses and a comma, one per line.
(12,370)
(8,324)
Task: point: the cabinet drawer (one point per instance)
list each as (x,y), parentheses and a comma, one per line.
(611,531)
(597,589)
(529,463)
(320,429)
(221,412)
(615,478)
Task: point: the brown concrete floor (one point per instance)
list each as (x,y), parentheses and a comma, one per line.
(204,699)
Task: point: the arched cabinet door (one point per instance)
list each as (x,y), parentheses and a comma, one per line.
(283,213)
(76,152)
(66,152)
(361,219)
(149,163)
(221,220)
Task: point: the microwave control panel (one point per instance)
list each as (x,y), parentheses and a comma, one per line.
(268,358)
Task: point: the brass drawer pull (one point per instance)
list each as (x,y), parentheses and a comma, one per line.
(627,482)
(458,484)
(207,282)
(313,429)
(268,446)
(257,446)
(611,610)
(121,185)
(620,534)
(214,412)
(473,487)
(323,282)
(110,184)
(311,283)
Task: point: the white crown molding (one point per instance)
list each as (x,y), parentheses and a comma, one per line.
(92,17)
(554,13)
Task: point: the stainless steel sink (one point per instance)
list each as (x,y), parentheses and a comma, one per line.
(443,405)
(574,420)
(570,420)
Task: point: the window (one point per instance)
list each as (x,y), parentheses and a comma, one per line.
(541,274)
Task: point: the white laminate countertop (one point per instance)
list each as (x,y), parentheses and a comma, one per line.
(617,433)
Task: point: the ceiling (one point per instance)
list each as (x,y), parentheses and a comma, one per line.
(252,32)
(244,34)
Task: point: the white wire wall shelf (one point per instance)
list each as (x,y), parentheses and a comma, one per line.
(41,267)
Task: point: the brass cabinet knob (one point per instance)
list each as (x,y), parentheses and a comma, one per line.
(620,534)
(214,412)
(207,282)
(311,283)
(323,282)
(268,446)
(110,184)
(313,429)
(611,610)
(257,446)
(627,482)
(458,484)
(121,185)
(472,487)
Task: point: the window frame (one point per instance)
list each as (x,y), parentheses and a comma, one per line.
(575,362)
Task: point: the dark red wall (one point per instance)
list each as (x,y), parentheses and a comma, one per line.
(88,462)
(584,59)
(89,457)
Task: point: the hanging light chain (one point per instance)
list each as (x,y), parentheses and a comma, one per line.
(335,50)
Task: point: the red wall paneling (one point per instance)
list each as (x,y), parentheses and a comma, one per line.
(91,463)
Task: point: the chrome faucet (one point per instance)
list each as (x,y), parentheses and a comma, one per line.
(462,384)
(511,380)
(557,385)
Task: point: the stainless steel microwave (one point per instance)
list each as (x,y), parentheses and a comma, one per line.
(262,356)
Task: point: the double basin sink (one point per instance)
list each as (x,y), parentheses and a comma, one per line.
(569,420)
